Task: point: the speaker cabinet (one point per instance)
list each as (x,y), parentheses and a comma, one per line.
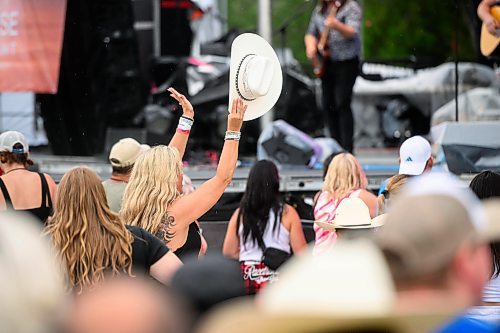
(472,147)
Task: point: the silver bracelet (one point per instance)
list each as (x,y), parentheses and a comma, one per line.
(231,135)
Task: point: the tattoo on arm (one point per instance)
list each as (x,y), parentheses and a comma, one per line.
(165,231)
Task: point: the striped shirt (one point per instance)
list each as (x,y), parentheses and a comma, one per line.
(324,211)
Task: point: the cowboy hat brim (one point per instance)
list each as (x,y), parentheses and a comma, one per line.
(332,226)
(245,317)
(246,44)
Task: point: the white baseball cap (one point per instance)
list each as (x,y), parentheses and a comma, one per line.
(414,154)
(125,152)
(10,138)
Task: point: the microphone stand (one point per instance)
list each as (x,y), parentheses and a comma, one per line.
(282,29)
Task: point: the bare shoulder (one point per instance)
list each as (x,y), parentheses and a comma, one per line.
(289,213)
(234,216)
(288,209)
(50,180)
(365,194)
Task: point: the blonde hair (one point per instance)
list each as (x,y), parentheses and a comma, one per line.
(392,188)
(344,175)
(151,189)
(89,237)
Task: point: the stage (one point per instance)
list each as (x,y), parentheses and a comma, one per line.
(298,184)
(377,163)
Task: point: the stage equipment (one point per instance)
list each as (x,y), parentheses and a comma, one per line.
(286,145)
(471,147)
(99,83)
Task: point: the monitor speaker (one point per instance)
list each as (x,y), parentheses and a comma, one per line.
(287,145)
(472,147)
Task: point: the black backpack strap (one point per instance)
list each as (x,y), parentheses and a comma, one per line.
(6,196)
(45,191)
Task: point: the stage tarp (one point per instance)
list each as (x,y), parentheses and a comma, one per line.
(31,33)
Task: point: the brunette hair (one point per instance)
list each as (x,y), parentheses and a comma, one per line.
(487,185)
(11,158)
(90,239)
(260,198)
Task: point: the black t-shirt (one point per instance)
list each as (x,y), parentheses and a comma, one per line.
(146,249)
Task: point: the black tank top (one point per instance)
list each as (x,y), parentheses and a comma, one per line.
(193,243)
(42,212)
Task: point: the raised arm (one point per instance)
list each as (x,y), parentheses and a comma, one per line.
(190,207)
(181,136)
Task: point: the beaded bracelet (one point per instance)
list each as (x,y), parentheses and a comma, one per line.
(231,135)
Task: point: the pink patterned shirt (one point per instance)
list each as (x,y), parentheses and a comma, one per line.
(324,211)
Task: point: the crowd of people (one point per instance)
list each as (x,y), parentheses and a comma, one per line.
(127,254)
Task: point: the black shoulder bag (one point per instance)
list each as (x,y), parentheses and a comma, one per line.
(271,256)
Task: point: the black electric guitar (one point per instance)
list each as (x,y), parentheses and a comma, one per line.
(319,61)
(489,42)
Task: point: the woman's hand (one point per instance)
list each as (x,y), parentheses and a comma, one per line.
(187,108)
(235,118)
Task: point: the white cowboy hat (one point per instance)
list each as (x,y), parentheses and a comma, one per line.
(352,213)
(254,75)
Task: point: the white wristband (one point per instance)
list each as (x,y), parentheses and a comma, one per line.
(232,136)
(185,124)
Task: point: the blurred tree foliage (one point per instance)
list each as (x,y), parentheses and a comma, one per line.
(425,29)
(392,29)
(243,15)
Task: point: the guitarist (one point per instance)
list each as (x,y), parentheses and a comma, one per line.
(340,21)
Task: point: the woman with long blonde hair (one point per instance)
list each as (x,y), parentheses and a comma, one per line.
(344,179)
(92,241)
(153,200)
